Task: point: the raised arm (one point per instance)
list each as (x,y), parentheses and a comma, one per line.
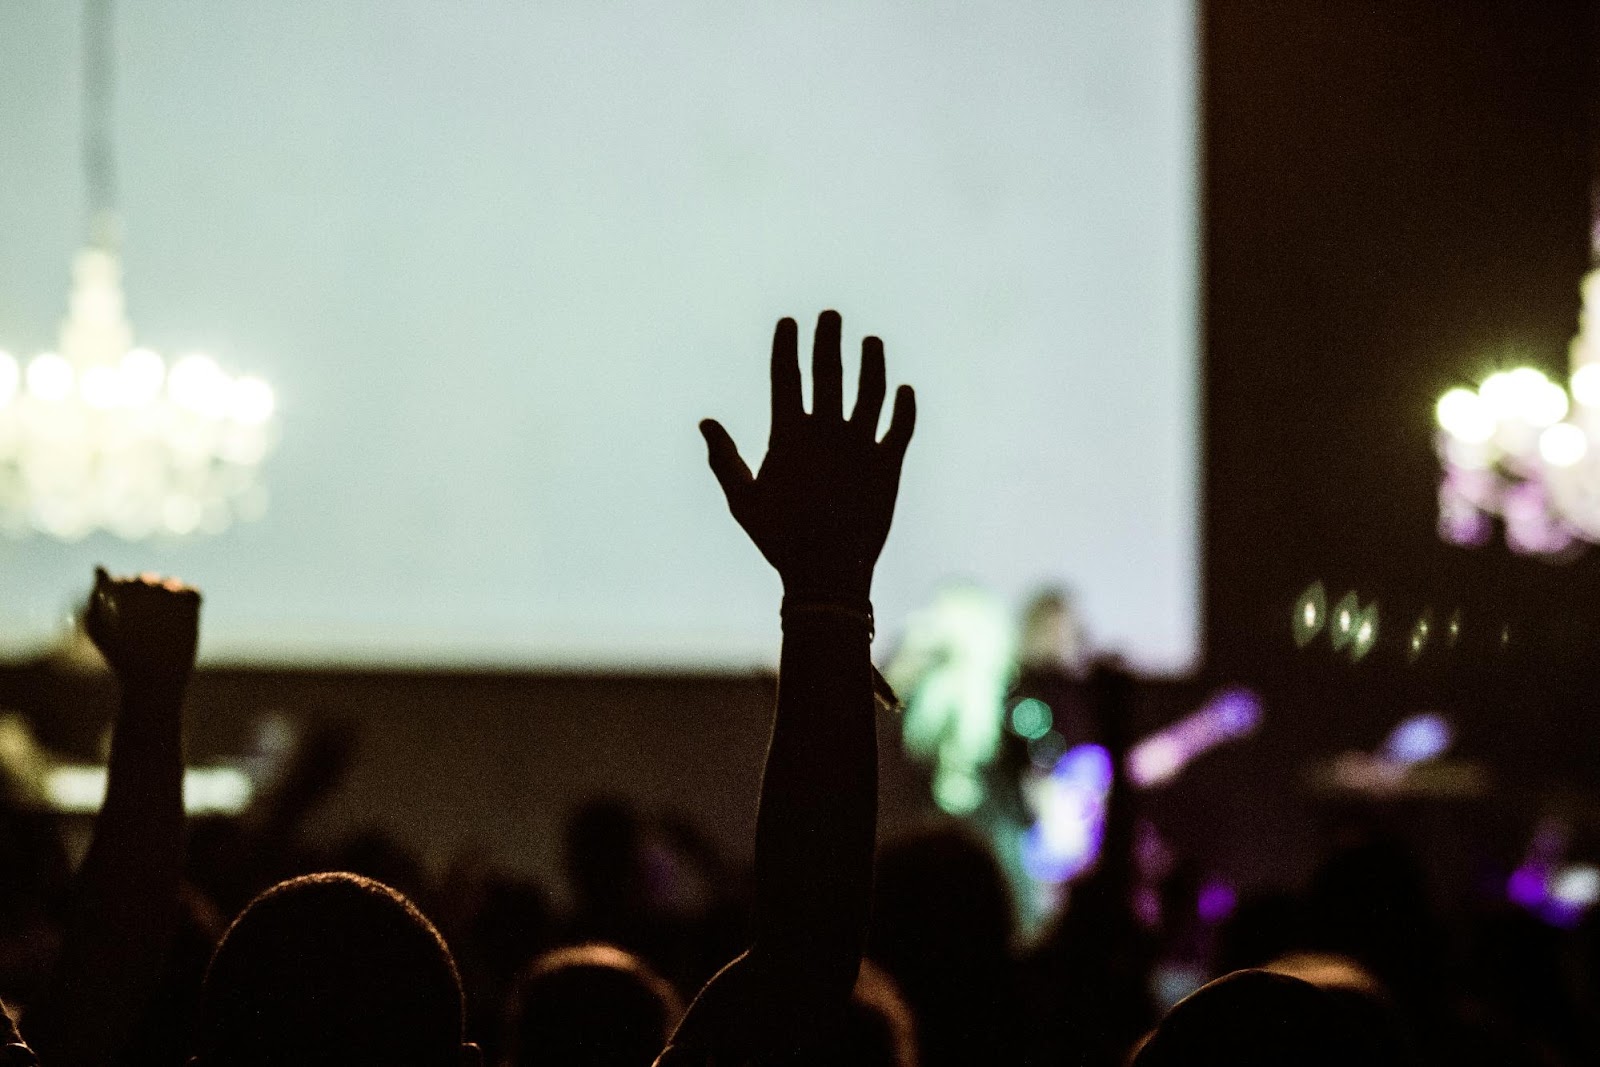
(125,902)
(819,511)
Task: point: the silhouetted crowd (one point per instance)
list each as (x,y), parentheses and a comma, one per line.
(236,941)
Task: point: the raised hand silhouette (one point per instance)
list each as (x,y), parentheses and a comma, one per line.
(819,509)
(147,628)
(125,898)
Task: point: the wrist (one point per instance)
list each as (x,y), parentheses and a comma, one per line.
(850,613)
(845,586)
(154,688)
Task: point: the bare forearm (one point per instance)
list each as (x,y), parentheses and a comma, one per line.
(816,830)
(126,891)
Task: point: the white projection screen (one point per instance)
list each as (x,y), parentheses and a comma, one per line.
(498,259)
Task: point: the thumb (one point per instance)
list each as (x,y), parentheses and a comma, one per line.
(723,455)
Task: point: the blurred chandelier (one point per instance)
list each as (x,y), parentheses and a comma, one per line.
(102,435)
(1523,448)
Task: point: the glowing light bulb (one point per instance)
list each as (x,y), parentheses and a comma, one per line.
(1527,395)
(10,376)
(251,401)
(1547,405)
(198,384)
(141,372)
(101,387)
(1563,445)
(1465,415)
(1586,385)
(1498,393)
(49,377)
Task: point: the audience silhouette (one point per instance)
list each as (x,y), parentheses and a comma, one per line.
(851,954)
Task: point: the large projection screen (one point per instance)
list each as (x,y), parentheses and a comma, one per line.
(499,258)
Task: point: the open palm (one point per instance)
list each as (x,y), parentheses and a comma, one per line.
(820,507)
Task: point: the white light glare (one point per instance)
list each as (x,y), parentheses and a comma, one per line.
(142,373)
(101,387)
(1563,445)
(1577,885)
(49,377)
(1586,385)
(1466,416)
(206,790)
(198,384)
(251,401)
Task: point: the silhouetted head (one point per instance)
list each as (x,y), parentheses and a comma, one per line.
(1260,1019)
(331,969)
(589,1006)
(14,1052)
(941,901)
(879,1028)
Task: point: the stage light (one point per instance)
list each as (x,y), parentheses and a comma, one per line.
(1420,633)
(1310,614)
(81,789)
(1418,739)
(1160,757)
(1217,901)
(1031,718)
(1065,840)
(1344,620)
(1365,633)
(1465,416)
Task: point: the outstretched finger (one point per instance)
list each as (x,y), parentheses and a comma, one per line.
(733,474)
(869,389)
(901,423)
(786,404)
(827,369)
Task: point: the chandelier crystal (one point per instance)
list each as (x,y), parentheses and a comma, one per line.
(103,435)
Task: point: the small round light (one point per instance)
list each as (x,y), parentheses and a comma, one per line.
(1586,385)
(1465,415)
(1498,393)
(1031,718)
(198,384)
(1563,445)
(251,402)
(142,373)
(1525,395)
(49,377)
(101,387)
(1546,405)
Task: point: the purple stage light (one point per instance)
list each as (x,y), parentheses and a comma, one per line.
(1217,901)
(1230,714)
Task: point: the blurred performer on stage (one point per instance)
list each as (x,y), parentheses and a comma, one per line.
(993,709)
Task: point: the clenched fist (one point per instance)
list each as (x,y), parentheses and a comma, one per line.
(145,627)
